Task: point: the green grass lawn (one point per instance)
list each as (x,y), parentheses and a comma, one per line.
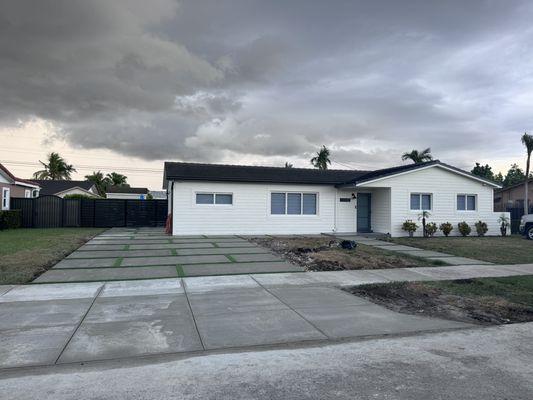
(27,253)
(500,250)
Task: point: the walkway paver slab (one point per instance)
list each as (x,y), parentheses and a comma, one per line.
(171,246)
(139,261)
(362,320)
(204,284)
(235,244)
(52,292)
(86,263)
(230,301)
(124,241)
(254,328)
(26,314)
(142,287)
(105,274)
(269,280)
(346,278)
(119,253)
(397,247)
(98,247)
(400,274)
(234,250)
(238,268)
(99,341)
(32,346)
(255,257)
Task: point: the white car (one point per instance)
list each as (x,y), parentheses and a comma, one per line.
(526,226)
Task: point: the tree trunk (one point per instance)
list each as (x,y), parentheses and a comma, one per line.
(526,198)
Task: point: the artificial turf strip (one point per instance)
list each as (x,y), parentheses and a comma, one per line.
(173,252)
(118,261)
(215,244)
(179,270)
(126,247)
(231,258)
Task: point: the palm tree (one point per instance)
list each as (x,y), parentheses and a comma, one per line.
(321,160)
(99,181)
(116,179)
(418,157)
(56,169)
(288,165)
(527,140)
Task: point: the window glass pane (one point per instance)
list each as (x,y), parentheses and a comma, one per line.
(309,204)
(461,202)
(426,202)
(471,202)
(224,199)
(294,203)
(277,203)
(415,202)
(204,198)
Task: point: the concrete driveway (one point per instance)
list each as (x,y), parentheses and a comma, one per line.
(77,322)
(146,253)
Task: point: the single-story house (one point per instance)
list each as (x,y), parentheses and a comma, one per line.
(126,192)
(234,199)
(63,188)
(11,186)
(513,196)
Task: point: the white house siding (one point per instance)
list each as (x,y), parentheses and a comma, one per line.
(444,187)
(346,212)
(250,212)
(381,210)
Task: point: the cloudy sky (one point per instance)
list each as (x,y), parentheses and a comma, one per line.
(124,85)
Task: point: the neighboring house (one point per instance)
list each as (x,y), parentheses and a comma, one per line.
(11,186)
(158,194)
(512,196)
(63,188)
(232,199)
(126,192)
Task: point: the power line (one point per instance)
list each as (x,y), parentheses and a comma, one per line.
(89,167)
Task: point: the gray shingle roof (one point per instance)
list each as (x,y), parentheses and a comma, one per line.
(52,187)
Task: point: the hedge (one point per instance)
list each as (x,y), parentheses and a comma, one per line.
(10,219)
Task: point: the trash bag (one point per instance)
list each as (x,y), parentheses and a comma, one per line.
(348,244)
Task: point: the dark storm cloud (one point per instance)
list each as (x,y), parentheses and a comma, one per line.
(207,80)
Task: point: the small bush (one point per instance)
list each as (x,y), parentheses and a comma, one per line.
(446,228)
(10,219)
(409,226)
(431,228)
(77,196)
(481,228)
(464,228)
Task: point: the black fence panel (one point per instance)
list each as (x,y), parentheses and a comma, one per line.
(26,207)
(54,212)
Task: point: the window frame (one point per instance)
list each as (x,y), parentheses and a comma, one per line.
(420,194)
(301,193)
(5,204)
(214,203)
(466,195)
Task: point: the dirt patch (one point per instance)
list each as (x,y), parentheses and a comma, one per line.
(325,254)
(431,300)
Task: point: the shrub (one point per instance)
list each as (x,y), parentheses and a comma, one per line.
(446,228)
(481,228)
(77,196)
(409,226)
(504,224)
(431,228)
(464,228)
(10,219)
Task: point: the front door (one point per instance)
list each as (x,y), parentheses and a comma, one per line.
(363,212)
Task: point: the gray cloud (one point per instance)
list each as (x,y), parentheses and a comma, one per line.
(210,80)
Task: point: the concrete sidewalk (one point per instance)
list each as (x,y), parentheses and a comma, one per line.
(475,364)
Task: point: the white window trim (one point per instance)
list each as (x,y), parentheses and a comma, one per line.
(214,204)
(27,193)
(6,198)
(466,203)
(420,209)
(269,205)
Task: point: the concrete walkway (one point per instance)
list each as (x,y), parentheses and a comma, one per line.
(475,364)
(74,322)
(446,258)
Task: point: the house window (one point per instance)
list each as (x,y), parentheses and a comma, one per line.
(466,202)
(27,193)
(293,203)
(421,201)
(6,192)
(214,198)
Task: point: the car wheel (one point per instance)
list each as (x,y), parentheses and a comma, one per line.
(529,233)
